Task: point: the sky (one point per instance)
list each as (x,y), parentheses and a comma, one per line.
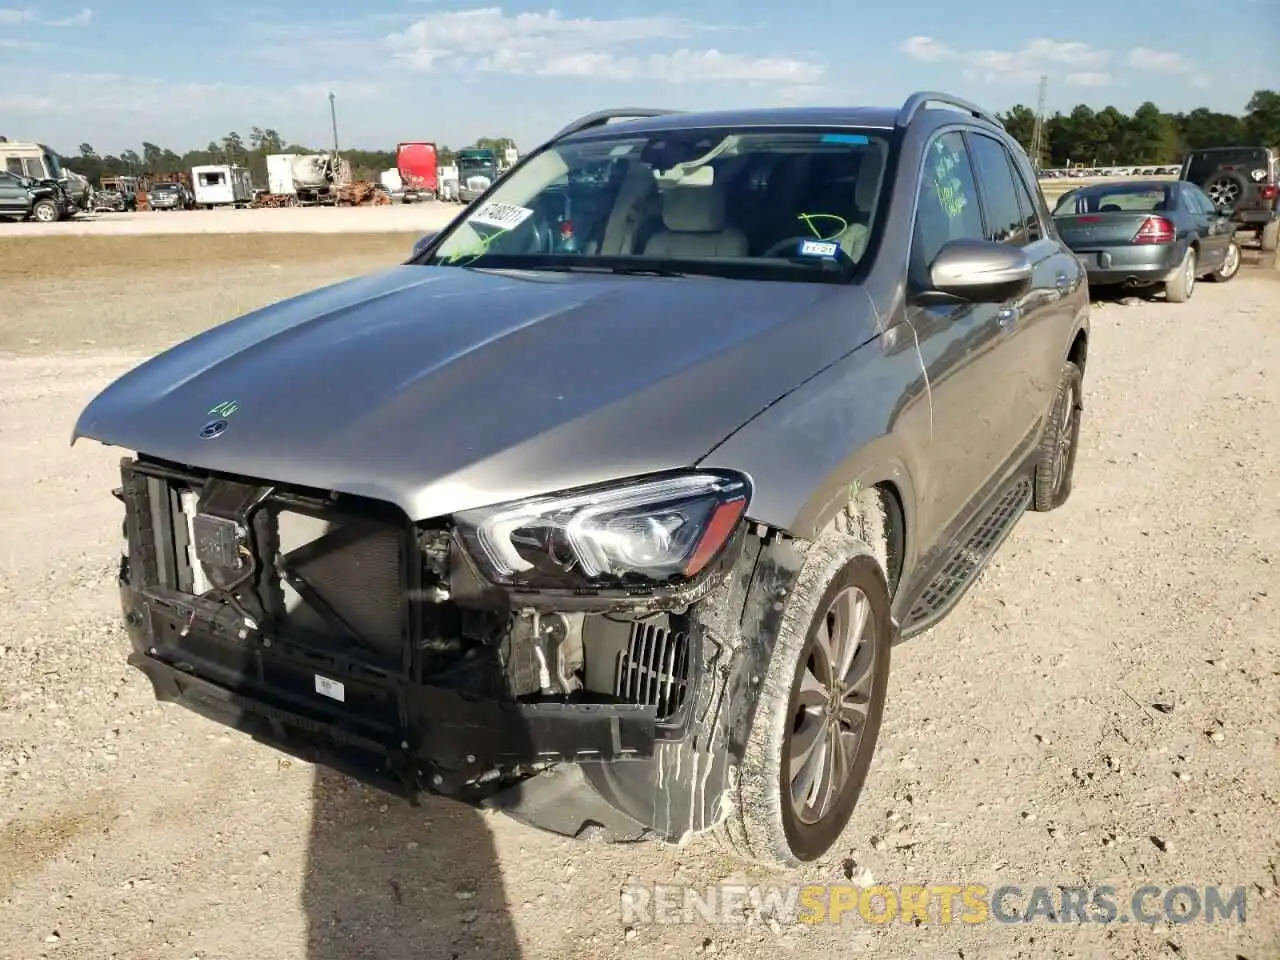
(182,74)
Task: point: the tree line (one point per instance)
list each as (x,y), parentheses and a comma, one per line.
(1085,136)
(1109,137)
(250,152)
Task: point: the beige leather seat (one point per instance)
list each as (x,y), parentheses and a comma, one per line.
(694,220)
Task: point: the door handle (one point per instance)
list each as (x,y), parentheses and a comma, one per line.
(1007,317)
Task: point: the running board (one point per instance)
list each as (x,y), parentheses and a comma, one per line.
(974,548)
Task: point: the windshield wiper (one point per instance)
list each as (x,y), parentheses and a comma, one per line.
(647,272)
(599,268)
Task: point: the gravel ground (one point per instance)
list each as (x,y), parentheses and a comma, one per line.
(1103,708)
(393,217)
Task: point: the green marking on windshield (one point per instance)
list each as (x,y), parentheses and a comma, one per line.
(808,218)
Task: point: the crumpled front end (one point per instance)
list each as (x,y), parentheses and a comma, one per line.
(336,629)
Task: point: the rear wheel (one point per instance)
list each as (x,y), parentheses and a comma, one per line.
(1056,458)
(1270,236)
(818,711)
(1179,287)
(1230,266)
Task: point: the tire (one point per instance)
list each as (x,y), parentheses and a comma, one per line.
(762,824)
(1230,266)
(1180,287)
(1269,236)
(1056,458)
(45,211)
(1224,190)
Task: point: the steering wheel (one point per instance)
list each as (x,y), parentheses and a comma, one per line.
(794,244)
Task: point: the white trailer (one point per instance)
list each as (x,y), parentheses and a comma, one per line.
(221,184)
(280,174)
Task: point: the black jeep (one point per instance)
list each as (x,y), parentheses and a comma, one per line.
(1243,183)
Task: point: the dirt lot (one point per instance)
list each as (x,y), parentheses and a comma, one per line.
(1103,708)
(416,217)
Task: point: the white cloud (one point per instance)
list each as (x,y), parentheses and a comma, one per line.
(10,17)
(547,44)
(161,110)
(1028,63)
(1158,61)
(81,19)
(1089,78)
(927,49)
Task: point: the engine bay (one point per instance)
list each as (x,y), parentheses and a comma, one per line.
(272,575)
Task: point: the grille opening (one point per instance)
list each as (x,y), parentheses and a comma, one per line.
(653,668)
(340,571)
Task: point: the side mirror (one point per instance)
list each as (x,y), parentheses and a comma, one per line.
(979,271)
(422,242)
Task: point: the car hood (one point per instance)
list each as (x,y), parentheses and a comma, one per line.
(442,388)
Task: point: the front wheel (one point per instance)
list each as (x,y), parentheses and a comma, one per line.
(45,211)
(818,709)
(1230,266)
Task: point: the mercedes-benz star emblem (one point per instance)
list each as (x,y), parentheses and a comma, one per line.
(214,428)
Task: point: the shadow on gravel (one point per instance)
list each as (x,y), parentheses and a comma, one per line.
(388,881)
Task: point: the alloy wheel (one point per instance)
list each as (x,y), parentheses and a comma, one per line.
(1189,273)
(1062,443)
(831,704)
(1231,264)
(1223,192)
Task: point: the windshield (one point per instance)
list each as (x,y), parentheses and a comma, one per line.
(791,204)
(165,188)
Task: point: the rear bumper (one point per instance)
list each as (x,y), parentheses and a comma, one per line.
(1137,265)
(1254,218)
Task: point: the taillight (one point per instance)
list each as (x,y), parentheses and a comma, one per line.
(1155,230)
(1270,191)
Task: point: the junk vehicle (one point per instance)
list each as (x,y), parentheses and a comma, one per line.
(26,198)
(477,170)
(280,174)
(1148,234)
(170,195)
(221,184)
(655,453)
(317,177)
(36,161)
(1244,184)
(418,164)
(116,195)
(449,183)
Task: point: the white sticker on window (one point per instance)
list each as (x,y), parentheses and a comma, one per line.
(331,688)
(504,216)
(819,248)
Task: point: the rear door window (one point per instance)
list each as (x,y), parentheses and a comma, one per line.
(1005,222)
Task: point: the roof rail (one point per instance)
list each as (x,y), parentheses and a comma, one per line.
(917,101)
(601,117)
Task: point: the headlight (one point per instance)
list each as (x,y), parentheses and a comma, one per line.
(652,529)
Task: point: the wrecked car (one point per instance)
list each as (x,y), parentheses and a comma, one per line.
(607,507)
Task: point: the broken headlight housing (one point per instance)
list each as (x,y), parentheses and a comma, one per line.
(655,529)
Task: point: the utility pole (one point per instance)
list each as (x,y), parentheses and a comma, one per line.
(333,116)
(1037,132)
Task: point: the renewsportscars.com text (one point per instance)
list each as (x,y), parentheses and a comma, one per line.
(941,904)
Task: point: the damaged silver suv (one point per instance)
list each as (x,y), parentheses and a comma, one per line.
(606,508)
